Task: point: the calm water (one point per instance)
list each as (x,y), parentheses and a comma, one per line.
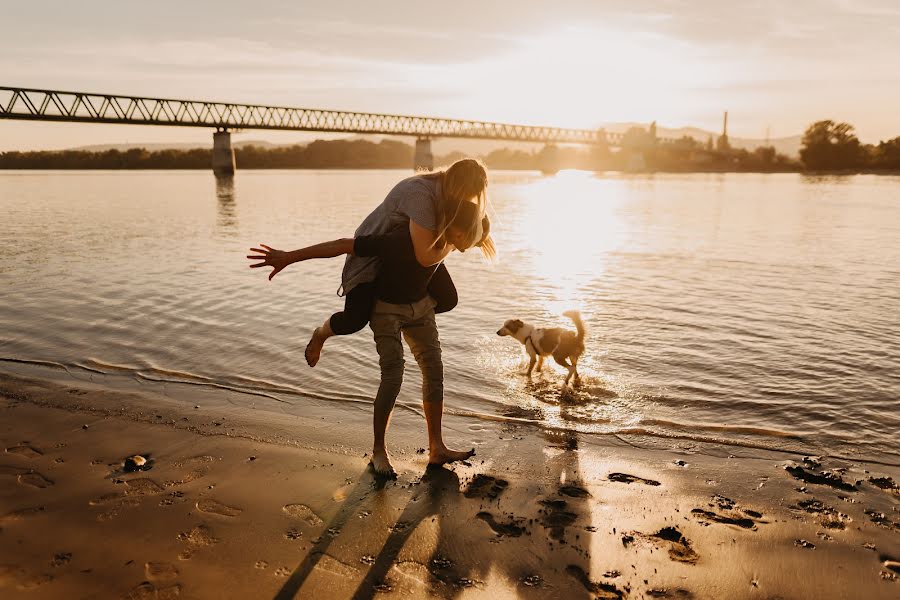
(758,311)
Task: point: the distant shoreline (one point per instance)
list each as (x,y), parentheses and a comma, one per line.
(406,167)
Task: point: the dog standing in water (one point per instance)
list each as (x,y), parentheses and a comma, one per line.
(565,346)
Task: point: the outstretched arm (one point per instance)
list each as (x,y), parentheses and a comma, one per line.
(279,259)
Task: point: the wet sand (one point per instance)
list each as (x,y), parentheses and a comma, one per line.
(218,512)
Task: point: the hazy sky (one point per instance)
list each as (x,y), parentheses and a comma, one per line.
(771,64)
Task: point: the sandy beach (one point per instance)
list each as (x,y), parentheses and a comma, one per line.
(216,512)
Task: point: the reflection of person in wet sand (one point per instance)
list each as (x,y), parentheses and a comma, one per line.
(392,265)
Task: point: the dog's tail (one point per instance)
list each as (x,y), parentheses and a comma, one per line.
(579,324)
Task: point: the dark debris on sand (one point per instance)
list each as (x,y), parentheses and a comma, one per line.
(626,478)
(708,515)
(605,591)
(881,519)
(511,529)
(885,483)
(680,547)
(822,478)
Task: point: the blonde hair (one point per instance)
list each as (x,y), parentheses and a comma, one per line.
(465,181)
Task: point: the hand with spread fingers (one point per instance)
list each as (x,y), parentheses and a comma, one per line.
(270,257)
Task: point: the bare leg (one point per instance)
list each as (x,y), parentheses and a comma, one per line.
(438,452)
(423,340)
(386,328)
(314,347)
(381,460)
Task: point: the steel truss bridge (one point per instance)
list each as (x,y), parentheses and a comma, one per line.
(81,107)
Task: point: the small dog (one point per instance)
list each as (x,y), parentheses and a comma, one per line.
(561,344)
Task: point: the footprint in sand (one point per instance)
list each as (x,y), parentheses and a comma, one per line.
(626,478)
(135,489)
(711,517)
(60,558)
(12,575)
(679,547)
(21,514)
(511,529)
(574,491)
(142,487)
(556,518)
(198,467)
(34,479)
(12,471)
(115,506)
(672,593)
(485,486)
(25,450)
(201,535)
(146,590)
(604,591)
(745,519)
(160,571)
(301,511)
(208,505)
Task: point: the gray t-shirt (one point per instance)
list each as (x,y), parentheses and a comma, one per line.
(413,198)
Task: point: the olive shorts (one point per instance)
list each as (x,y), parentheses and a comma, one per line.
(417,325)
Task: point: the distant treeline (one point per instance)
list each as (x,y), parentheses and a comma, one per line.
(320,154)
(827,146)
(830,146)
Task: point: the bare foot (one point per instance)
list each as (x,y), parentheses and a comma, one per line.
(381,463)
(314,348)
(442,456)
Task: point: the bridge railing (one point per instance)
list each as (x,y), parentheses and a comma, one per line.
(56,105)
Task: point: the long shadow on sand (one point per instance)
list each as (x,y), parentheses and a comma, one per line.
(474,540)
(368,483)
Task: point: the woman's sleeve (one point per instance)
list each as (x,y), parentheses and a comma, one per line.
(417,202)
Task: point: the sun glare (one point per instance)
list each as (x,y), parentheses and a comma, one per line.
(570,225)
(581,77)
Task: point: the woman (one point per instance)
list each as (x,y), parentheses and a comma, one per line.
(394,275)
(427,204)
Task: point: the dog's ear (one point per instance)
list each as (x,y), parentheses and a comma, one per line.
(515,325)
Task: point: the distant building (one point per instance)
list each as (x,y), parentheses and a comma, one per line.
(722,144)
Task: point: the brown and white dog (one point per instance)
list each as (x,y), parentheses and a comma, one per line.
(563,345)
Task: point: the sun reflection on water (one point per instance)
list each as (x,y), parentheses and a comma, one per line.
(563,234)
(569,228)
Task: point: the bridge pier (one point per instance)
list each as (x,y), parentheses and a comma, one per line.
(424,159)
(223,154)
(548,159)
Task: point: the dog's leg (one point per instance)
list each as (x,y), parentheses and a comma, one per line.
(561,360)
(575,369)
(531,361)
(540,364)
